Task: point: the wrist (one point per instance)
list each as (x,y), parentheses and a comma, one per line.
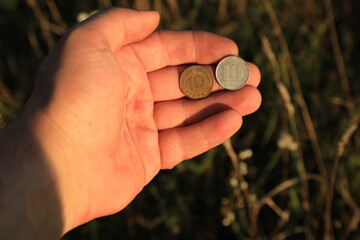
(30,206)
(39,199)
(64,164)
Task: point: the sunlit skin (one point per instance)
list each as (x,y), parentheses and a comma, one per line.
(108,113)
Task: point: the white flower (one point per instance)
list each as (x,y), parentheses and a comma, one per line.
(231,216)
(226,222)
(286,141)
(233,182)
(247,153)
(253,198)
(243,168)
(244,185)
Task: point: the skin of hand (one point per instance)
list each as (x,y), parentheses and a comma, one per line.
(107,112)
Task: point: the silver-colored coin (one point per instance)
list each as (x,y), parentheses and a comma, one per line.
(232,73)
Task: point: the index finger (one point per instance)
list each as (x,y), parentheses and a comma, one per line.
(169,48)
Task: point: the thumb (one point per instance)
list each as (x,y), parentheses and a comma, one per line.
(119,26)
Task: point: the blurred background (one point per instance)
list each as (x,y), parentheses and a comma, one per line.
(293,169)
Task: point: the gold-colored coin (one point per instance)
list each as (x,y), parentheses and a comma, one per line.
(196,82)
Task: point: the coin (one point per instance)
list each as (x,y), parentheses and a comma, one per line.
(232,73)
(196,82)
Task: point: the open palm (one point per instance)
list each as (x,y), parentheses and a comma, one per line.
(114,103)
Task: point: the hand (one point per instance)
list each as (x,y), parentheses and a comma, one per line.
(108,113)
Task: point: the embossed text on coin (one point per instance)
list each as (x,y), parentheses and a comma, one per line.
(196,82)
(232,73)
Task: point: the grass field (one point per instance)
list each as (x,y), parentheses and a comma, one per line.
(293,169)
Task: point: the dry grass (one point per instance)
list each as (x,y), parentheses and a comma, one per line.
(299,176)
